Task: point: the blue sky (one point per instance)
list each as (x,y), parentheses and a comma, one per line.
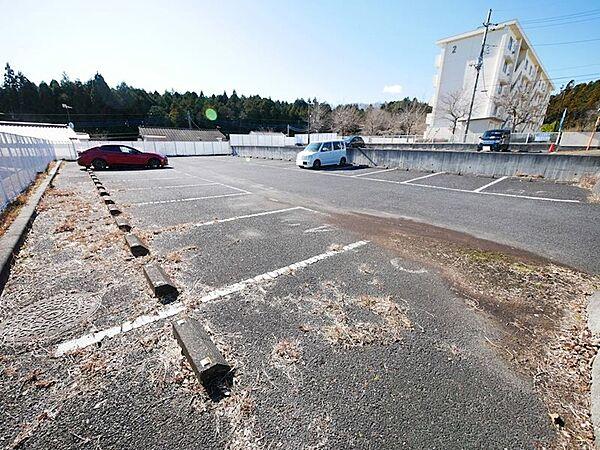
(337,51)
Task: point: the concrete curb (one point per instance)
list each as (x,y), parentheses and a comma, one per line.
(200,351)
(108,200)
(593,311)
(11,241)
(159,281)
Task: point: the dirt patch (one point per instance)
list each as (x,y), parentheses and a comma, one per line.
(540,306)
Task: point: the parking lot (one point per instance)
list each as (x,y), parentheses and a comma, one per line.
(339,335)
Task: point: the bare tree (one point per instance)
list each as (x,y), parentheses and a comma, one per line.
(320,116)
(410,119)
(455,106)
(520,107)
(376,121)
(346,119)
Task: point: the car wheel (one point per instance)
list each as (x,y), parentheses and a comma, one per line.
(342,162)
(154,163)
(99,164)
(317,164)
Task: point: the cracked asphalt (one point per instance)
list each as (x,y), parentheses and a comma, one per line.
(364,349)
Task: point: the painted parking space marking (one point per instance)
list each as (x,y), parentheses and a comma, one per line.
(248,216)
(165,187)
(178,307)
(374,172)
(528,197)
(422,178)
(411,183)
(192,199)
(321,229)
(213,181)
(479,189)
(129,180)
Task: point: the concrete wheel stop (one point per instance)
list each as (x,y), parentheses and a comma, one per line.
(196,345)
(160,283)
(123,224)
(137,247)
(114,211)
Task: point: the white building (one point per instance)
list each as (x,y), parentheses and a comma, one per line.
(513,89)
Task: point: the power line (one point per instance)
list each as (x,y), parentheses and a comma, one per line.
(562,16)
(574,67)
(560,24)
(567,42)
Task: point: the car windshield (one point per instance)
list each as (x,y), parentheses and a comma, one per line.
(314,147)
(492,134)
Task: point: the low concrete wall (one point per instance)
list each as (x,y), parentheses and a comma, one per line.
(551,166)
(457,147)
(285,153)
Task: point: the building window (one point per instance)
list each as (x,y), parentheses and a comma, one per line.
(526,64)
(499,89)
(510,43)
(504,67)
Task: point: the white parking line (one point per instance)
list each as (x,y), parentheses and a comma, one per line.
(192,199)
(128,180)
(479,189)
(166,187)
(410,183)
(217,182)
(374,172)
(529,197)
(421,178)
(177,307)
(248,216)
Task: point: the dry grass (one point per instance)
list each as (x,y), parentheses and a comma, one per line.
(335,247)
(287,352)
(389,324)
(238,410)
(594,198)
(12,210)
(588,181)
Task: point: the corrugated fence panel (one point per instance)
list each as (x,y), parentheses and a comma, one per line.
(21,159)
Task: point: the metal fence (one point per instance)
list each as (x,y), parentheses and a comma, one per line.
(21,159)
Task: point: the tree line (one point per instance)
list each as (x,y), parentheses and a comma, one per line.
(582,102)
(104,111)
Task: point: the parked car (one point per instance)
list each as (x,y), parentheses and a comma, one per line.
(354,142)
(319,154)
(494,141)
(119,155)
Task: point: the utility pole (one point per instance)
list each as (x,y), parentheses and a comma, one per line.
(596,124)
(478,67)
(555,144)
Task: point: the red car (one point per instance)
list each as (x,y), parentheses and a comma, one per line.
(119,155)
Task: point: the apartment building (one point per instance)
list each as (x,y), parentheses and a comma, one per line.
(513,89)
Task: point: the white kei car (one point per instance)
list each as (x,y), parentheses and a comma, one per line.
(317,154)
